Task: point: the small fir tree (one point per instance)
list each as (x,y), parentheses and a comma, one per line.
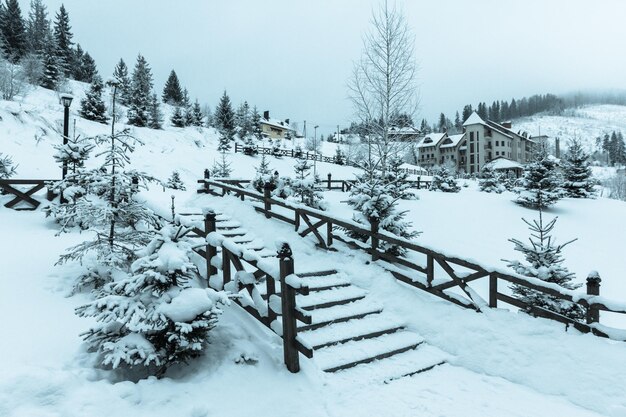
(175,183)
(63,41)
(263,174)
(541,184)
(443,180)
(224,117)
(490,181)
(222,168)
(141,93)
(578,182)
(172,92)
(178,119)
(224,143)
(305,187)
(155,117)
(297,152)
(255,124)
(249,148)
(339,157)
(544,261)
(74,153)
(92,106)
(121,76)
(7,167)
(52,72)
(398,180)
(197,116)
(158,315)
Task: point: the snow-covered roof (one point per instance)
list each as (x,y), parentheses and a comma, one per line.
(474,119)
(503,163)
(276,123)
(452,141)
(431,139)
(411,166)
(404,130)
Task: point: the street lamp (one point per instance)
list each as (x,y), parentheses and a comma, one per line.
(315,150)
(66,100)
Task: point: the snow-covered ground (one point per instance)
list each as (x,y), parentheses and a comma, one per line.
(502,363)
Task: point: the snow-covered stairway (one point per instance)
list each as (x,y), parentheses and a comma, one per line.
(349,331)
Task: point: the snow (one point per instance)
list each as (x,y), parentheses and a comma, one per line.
(474,119)
(499,363)
(188,304)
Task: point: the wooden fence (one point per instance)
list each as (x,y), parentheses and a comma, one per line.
(312,156)
(8,187)
(224,255)
(425,268)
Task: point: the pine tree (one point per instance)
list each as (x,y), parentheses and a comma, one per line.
(92,106)
(490,181)
(77,63)
(541,184)
(155,117)
(298,152)
(37,27)
(178,119)
(88,68)
(63,39)
(442,123)
(222,168)
(249,148)
(74,153)
(175,183)
(52,72)
(306,188)
(544,261)
(224,143)
(398,180)
(263,174)
(255,124)
(243,122)
(225,117)
(121,76)
(13,31)
(158,315)
(458,124)
(443,180)
(172,92)
(7,167)
(467,112)
(197,117)
(339,157)
(141,91)
(577,172)
(371,196)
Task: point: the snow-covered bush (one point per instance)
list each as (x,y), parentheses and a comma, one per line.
(297,152)
(175,183)
(156,316)
(541,185)
(577,180)
(544,261)
(263,175)
(305,187)
(616,186)
(92,106)
(443,180)
(7,167)
(339,158)
(490,181)
(74,153)
(249,148)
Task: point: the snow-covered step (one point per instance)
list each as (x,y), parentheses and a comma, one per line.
(412,362)
(326,282)
(228,224)
(332,297)
(229,233)
(368,327)
(340,313)
(350,354)
(305,274)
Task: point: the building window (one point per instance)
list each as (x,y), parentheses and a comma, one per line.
(471,136)
(471,159)
(477,135)
(471,148)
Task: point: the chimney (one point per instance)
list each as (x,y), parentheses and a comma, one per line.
(507,124)
(266,114)
(287,122)
(557,148)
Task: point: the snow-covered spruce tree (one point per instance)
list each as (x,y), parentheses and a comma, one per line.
(174,182)
(298,152)
(263,175)
(249,148)
(541,185)
(52,71)
(221,168)
(63,41)
(339,158)
(544,261)
(224,117)
(197,116)
(178,119)
(255,124)
(372,197)
(92,106)
(120,73)
(577,172)
(275,145)
(224,143)
(242,120)
(490,181)
(102,200)
(398,180)
(74,153)
(172,92)
(155,117)
(443,180)
(7,167)
(305,187)
(140,95)
(158,315)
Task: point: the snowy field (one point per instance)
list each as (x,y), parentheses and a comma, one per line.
(494,368)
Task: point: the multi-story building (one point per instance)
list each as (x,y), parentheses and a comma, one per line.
(487,140)
(442,149)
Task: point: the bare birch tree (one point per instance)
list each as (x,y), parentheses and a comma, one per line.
(383,84)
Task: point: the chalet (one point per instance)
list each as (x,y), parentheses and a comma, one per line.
(276,129)
(488,140)
(428,150)
(404,134)
(442,149)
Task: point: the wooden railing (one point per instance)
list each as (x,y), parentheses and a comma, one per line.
(8,187)
(224,255)
(291,153)
(426,268)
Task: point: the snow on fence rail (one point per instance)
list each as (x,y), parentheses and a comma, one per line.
(427,276)
(266,305)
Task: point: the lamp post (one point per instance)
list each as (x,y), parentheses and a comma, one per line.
(66,100)
(315,150)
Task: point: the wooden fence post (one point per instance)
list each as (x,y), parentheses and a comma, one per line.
(418,181)
(211,251)
(225,266)
(375,243)
(288,303)
(267,195)
(207,176)
(430,269)
(493,290)
(593,288)
(270,285)
(329,234)
(297,219)
(329,179)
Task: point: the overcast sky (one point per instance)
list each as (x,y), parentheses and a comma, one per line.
(293,57)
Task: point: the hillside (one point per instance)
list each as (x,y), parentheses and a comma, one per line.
(493,366)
